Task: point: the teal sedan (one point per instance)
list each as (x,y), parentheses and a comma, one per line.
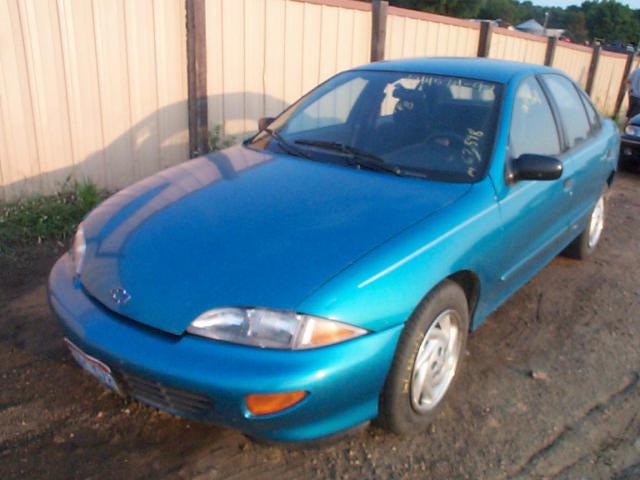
(328,271)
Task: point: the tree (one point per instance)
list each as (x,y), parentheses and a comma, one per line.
(574,22)
(606,20)
(611,21)
(499,9)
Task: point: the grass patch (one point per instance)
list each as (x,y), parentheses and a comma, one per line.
(51,217)
(620,120)
(217,141)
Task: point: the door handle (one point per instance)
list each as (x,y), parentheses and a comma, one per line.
(568,184)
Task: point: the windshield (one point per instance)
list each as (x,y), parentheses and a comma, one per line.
(430,126)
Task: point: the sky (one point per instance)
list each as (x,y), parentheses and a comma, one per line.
(566,3)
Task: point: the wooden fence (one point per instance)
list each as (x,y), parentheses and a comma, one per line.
(574,60)
(418,34)
(99,88)
(90,89)
(264,55)
(517,46)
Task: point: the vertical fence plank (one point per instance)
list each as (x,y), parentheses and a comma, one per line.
(143,87)
(421,38)
(432,39)
(20,162)
(274,57)
(484,43)
(379,9)
(409,38)
(233,53)
(215,64)
(631,57)
(46,77)
(254,63)
(294,19)
(361,38)
(113,75)
(311,46)
(197,77)
(552,43)
(444,45)
(333,42)
(344,47)
(394,36)
(83,92)
(607,81)
(170,35)
(593,67)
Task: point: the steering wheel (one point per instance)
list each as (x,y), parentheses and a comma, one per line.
(446,138)
(458,147)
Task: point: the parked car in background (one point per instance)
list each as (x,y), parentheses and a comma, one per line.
(630,151)
(328,270)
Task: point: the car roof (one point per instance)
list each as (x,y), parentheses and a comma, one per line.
(500,71)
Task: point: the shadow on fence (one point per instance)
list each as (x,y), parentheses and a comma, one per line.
(158,141)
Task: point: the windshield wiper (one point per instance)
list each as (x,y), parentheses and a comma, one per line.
(360,158)
(284,145)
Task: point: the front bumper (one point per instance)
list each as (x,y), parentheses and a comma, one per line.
(630,146)
(343,381)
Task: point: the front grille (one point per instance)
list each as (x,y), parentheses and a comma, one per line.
(166,398)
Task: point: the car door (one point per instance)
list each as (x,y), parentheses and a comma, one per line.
(585,151)
(534,223)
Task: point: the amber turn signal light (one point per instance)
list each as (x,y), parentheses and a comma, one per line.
(267,403)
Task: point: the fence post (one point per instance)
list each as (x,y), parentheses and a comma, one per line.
(379,9)
(197,77)
(631,57)
(484,42)
(551,51)
(593,68)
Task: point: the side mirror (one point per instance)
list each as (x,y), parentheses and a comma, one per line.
(535,167)
(264,122)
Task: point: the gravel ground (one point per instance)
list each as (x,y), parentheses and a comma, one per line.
(550,389)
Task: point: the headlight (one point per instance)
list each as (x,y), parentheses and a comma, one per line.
(271,329)
(633,131)
(78,249)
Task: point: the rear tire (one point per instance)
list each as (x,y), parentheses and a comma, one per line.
(426,361)
(585,244)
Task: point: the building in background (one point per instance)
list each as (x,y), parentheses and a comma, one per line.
(531,26)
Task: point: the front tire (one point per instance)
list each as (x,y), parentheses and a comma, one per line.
(427,360)
(585,244)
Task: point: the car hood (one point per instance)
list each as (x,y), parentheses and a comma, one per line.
(242,228)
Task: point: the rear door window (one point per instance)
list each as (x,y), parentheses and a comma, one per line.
(572,111)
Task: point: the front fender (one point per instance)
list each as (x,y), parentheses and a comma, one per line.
(382,289)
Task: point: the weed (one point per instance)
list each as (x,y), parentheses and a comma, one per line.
(217,141)
(48,217)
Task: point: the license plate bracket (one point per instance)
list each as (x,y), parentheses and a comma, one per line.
(99,370)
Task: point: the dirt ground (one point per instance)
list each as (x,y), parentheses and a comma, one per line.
(550,389)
